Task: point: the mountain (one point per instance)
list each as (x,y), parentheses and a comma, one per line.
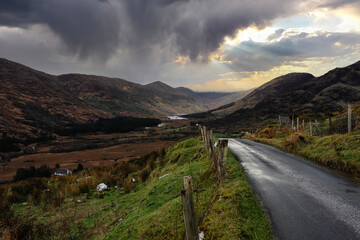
(211,100)
(293,94)
(33,101)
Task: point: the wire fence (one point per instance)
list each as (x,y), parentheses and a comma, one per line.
(321,124)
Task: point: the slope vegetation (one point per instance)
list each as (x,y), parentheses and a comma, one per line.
(294,94)
(143,200)
(34,102)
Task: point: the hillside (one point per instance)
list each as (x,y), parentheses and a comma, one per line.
(212,100)
(142,200)
(32,100)
(35,103)
(293,94)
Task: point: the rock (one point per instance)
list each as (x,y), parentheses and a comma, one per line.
(164,175)
(101,187)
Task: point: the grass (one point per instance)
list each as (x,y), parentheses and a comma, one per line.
(229,211)
(340,152)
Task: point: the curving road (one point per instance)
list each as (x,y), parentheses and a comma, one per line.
(303,200)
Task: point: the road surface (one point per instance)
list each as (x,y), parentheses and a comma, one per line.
(303,200)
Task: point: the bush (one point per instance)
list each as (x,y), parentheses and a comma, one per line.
(32,172)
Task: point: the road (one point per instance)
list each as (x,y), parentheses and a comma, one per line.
(303,200)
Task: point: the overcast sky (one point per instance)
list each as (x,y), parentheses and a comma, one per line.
(207,45)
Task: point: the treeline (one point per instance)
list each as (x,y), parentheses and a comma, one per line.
(32,172)
(112,125)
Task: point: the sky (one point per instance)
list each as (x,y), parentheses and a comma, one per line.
(206,45)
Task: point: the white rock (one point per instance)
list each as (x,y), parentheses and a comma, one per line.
(133,179)
(101,187)
(201,236)
(164,175)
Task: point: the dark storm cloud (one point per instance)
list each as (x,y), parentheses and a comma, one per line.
(98,28)
(87,28)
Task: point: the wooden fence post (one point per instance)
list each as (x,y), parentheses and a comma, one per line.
(297,124)
(202,132)
(349,118)
(292,123)
(303,125)
(222,160)
(205,138)
(330,131)
(211,144)
(187,198)
(311,130)
(279,119)
(317,127)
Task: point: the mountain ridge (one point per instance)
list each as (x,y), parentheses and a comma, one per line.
(34,101)
(306,94)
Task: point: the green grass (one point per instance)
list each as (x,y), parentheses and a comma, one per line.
(340,152)
(233,211)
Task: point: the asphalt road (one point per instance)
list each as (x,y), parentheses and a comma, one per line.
(303,200)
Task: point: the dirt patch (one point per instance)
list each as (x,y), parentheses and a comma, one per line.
(88,158)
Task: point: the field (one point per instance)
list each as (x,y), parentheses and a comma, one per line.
(143,200)
(95,150)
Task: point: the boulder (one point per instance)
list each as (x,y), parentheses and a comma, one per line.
(101,187)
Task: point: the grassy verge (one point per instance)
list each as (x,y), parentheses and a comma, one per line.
(340,152)
(229,211)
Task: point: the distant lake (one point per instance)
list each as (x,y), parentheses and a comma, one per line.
(176,117)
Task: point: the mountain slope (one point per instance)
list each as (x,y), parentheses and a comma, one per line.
(293,94)
(34,102)
(212,100)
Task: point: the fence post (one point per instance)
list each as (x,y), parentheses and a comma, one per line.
(349,118)
(292,123)
(187,199)
(317,127)
(303,125)
(222,159)
(311,132)
(279,119)
(205,138)
(297,124)
(330,131)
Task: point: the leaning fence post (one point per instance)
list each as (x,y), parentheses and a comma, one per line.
(187,198)
(311,131)
(222,159)
(349,118)
(205,137)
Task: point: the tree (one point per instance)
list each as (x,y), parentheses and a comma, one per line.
(80,167)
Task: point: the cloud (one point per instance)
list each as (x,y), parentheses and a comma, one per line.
(287,46)
(170,40)
(98,28)
(89,28)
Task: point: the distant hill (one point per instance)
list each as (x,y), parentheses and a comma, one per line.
(292,94)
(33,102)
